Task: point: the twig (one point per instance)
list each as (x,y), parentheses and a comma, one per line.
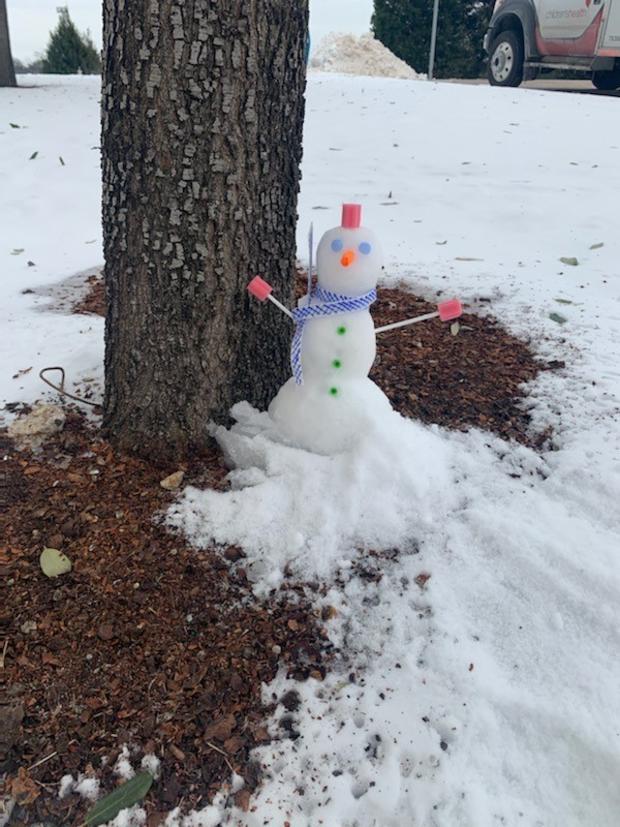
(61,388)
(2,657)
(42,761)
(221,752)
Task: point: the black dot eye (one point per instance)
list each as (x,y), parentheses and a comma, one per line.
(365,248)
(337,245)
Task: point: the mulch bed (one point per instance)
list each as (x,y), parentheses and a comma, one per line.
(149,643)
(146,642)
(473,379)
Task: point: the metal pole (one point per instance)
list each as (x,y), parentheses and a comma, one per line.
(431,58)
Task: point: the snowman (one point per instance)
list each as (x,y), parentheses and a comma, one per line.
(330,402)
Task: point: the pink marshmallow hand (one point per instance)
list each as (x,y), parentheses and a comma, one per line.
(449,310)
(262,290)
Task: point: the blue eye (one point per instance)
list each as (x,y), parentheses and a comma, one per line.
(337,245)
(364,248)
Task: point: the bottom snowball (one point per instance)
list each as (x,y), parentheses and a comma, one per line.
(326,419)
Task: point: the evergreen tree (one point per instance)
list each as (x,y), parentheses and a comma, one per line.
(404,26)
(69,52)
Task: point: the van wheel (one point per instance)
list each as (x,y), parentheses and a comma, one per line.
(506,60)
(606,80)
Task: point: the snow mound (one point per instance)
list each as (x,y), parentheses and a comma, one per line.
(365,55)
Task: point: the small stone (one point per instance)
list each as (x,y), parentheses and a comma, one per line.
(233,554)
(28,627)
(173,481)
(106,631)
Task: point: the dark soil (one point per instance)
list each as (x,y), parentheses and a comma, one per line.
(150,643)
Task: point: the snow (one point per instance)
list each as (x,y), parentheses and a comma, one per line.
(86,787)
(486,693)
(51,216)
(363,55)
(123,767)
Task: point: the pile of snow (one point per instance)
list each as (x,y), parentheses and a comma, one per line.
(364,55)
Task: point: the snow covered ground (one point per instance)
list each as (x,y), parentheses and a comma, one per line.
(487,693)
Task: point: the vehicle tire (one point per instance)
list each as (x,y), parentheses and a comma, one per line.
(606,80)
(506,59)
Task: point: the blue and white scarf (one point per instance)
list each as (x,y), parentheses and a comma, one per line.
(330,305)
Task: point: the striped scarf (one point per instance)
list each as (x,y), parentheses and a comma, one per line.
(331,304)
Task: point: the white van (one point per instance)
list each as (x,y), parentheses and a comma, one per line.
(525,36)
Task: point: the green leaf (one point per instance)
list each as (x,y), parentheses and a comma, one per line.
(53,562)
(563,301)
(124,796)
(597,246)
(34,155)
(570,260)
(555,317)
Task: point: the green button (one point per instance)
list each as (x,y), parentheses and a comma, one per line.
(333,391)
(341,330)
(336,363)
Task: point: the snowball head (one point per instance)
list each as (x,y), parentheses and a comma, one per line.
(349,261)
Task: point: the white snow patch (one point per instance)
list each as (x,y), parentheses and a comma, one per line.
(152,764)
(84,785)
(130,817)
(364,55)
(123,767)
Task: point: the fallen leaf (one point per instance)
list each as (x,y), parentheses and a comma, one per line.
(422,579)
(467,258)
(33,156)
(570,260)
(555,317)
(22,372)
(441,243)
(60,158)
(15,125)
(17,251)
(23,788)
(123,797)
(454,328)
(563,301)
(597,246)
(54,563)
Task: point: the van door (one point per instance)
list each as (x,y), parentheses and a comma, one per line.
(611,39)
(566,19)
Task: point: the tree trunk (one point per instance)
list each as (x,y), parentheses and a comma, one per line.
(201,138)
(7,70)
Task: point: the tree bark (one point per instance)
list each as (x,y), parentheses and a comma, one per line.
(7,70)
(202,115)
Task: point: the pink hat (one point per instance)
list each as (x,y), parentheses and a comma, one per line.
(351,216)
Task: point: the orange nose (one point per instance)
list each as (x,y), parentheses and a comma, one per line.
(348,257)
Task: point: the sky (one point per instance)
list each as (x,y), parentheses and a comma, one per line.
(30,21)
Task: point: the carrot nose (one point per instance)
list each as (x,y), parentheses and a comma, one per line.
(348,257)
